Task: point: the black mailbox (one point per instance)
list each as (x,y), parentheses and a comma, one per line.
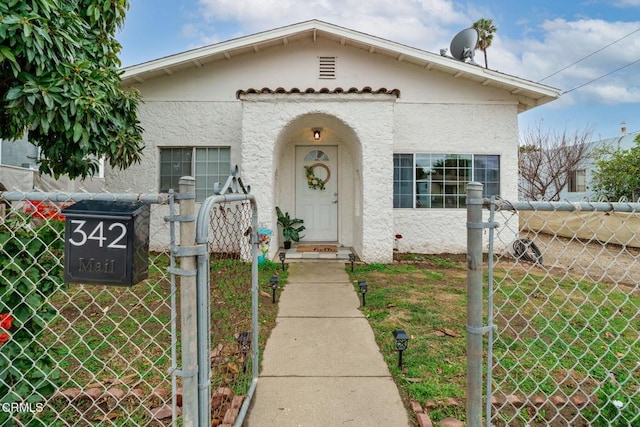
(106,243)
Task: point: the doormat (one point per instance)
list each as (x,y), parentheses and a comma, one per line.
(316,248)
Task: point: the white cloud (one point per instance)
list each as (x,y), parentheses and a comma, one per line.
(611,93)
(544,48)
(627,3)
(419,23)
(561,43)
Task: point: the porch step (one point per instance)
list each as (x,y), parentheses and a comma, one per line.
(342,254)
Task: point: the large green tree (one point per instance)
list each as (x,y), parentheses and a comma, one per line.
(617,172)
(60,82)
(486,30)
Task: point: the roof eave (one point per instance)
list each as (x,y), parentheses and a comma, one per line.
(530,94)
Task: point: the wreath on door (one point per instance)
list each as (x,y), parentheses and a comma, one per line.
(313,181)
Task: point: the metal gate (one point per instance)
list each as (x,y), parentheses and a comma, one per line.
(79,354)
(226,237)
(562,310)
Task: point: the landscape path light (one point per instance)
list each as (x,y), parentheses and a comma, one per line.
(352,258)
(363,290)
(282,256)
(402,342)
(273,283)
(244,343)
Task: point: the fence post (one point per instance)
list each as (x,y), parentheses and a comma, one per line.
(188,306)
(474,304)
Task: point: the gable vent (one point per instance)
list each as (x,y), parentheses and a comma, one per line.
(327,67)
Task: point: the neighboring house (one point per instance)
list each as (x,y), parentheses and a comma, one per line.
(19,171)
(396,133)
(20,153)
(579,187)
(17,164)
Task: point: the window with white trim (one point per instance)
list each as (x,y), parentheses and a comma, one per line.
(207,165)
(578,181)
(425,180)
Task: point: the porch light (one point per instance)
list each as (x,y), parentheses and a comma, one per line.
(316,134)
(352,258)
(363,290)
(244,344)
(273,283)
(402,342)
(282,256)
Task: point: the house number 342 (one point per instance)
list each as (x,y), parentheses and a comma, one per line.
(80,236)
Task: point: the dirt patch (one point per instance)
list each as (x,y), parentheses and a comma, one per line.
(589,259)
(539,415)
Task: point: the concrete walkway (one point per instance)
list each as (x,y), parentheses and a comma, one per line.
(321,366)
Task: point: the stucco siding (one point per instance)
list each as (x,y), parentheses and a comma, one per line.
(178,124)
(371,121)
(434,113)
(297,65)
(489,128)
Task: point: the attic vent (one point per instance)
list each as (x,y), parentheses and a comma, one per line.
(327,67)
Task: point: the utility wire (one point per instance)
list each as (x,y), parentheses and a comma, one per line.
(601,77)
(590,55)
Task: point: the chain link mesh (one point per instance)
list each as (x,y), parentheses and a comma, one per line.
(566,305)
(231,312)
(73,354)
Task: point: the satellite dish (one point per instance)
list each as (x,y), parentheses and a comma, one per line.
(464,44)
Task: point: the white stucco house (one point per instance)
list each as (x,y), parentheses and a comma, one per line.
(580,179)
(19,171)
(394,133)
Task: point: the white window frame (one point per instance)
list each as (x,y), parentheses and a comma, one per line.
(207,164)
(577,181)
(456,200)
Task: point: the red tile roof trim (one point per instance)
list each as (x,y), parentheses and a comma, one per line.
(352,90)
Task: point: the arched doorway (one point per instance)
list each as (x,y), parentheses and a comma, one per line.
(317,163)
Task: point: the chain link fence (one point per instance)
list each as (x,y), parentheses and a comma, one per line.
(229,242)
(85,355)
(80,354)
(566,306)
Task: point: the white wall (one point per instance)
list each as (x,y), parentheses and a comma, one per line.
(178,124)
(436,113)
(371,120)
(489,128)
(296,66)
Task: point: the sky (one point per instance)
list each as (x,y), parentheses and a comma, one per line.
(589,49)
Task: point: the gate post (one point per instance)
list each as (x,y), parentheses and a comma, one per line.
(474,304)
(188,307)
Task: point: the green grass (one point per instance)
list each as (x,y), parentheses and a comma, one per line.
(556,335)
(420,300)
(103,333)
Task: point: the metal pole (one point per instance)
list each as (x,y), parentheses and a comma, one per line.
(174,326)
(204,337)
(188,307)
(474,304)
(487,411)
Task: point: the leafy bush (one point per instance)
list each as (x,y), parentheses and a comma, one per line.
(31,253)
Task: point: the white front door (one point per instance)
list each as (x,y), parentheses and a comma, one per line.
(317,191)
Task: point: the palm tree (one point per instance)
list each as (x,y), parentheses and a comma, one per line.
(485,29)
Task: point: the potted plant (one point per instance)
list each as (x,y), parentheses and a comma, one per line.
(291,227)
